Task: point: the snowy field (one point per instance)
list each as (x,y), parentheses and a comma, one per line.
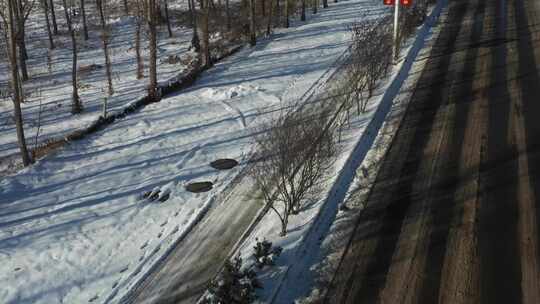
(74,227)
(50,76)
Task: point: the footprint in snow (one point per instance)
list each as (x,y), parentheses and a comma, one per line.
(93,298)
(160,234)
(114,285)
(144,245)
(124,269)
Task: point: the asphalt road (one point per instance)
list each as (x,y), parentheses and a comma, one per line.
(184,274)
(454,214)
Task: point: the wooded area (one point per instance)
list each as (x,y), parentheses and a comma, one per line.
(214,24)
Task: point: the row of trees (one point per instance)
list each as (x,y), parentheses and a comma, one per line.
(296,149)
(244,20)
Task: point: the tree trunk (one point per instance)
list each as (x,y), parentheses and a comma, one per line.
(48,24)
(278,12)
(252,30)
(85,28)
(263,8)
(315,6)
(76,106)
(195,42)
(53,16)
(140,62)
(205,60)
(270,18)
(22,62)
(303,14)
(325,3)
(284,223)
(167,18)
(228,15)
(21,20)
(159,17)
(15,85)
(152,16)
(105,41)
(286,4)
(126,8)
(19,36)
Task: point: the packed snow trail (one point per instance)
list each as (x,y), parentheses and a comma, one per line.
(75,228)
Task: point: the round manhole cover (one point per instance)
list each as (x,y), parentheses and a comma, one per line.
(224,164)
(199,187)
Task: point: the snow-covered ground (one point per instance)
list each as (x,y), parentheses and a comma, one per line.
(50,76)
(362,145)
(74,227)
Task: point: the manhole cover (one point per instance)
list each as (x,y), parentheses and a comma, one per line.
(224,164)
(199,187)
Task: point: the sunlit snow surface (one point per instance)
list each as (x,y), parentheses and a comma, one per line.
(74,227)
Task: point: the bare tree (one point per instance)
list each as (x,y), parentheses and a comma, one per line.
(286,5)
(303,11)
(293,155)
(203,20)
(53,17)
(151,18)
(105,33)
(166,7)
(252,29)
(45,7)
(270,18)
(83,13)
(16,88)
(138,29)
(195,43)
(371,40)
(228,15)
(369,62)
(22,9)
(76,106)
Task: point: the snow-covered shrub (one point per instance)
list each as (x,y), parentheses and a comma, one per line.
(265,254)
(234,285)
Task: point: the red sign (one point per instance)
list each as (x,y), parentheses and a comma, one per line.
(405,2)
(389,2)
